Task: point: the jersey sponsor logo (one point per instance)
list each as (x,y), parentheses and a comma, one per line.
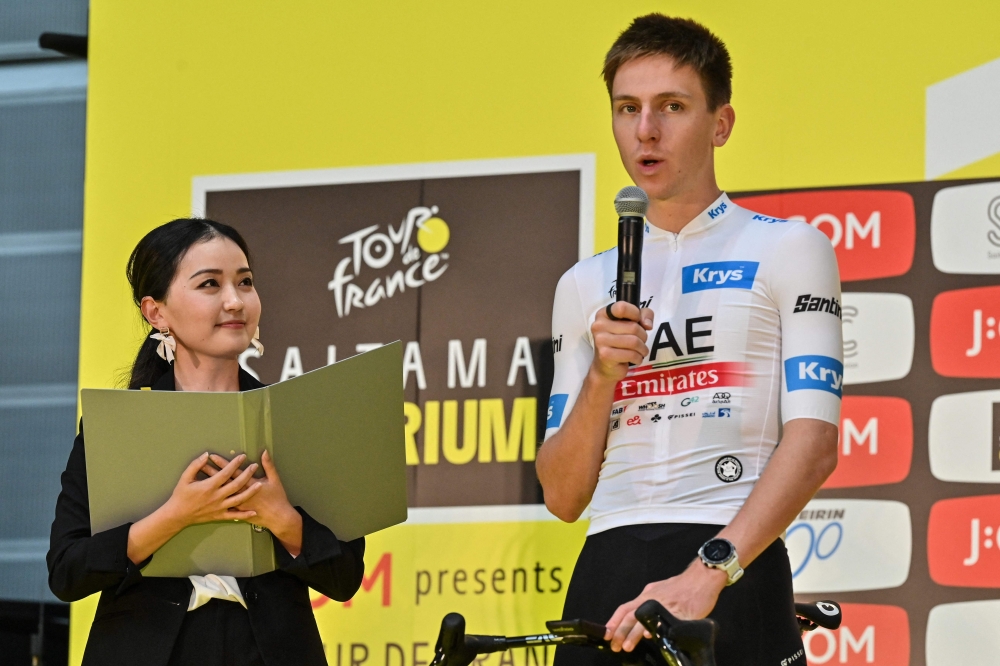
(873,232)
(868,634)
(656,418)
(728,469)
(617,410)
(557,404)
(717,211)
(671,417)
(963,633)
(965,229)
(964,437)
(613,291)
(721,398)
(965,333)
(649,381)
(722,412)
(810,303)
(876,442)
(653,406)
(767,218)
(821,373)
(842,545)
(616,424)
(879,335)
(694,329)
(718,275)
(634,421)
(962,546)
(689,400)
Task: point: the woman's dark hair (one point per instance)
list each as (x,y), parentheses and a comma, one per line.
(150,271)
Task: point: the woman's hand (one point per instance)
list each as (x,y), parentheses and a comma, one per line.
(193,502)
(214,498)
(269,504)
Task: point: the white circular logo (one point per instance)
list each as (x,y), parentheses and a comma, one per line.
(827,608)
(728,469)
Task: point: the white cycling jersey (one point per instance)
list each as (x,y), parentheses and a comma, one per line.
(747,336)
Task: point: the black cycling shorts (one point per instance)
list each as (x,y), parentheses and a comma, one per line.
(756,615)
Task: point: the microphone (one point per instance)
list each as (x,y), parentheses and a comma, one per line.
(631,204)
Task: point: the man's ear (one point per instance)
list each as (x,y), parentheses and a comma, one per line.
(153,313)
(725,119)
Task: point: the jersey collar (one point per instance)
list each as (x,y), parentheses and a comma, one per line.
(717,211)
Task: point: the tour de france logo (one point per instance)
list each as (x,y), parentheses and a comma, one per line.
(728,469)
(416,246)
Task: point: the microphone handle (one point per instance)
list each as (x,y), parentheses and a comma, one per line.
(630,233)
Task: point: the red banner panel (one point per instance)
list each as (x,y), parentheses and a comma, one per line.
(962,548)
(872,231)
(965,333)
(870,634)
(876,442)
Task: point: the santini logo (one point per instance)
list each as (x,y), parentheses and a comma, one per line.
(963,633)
(843,545)
(814,372)
(876,442)
(965,229)
(964,437)
(718,275)
(962,542)
(810,303)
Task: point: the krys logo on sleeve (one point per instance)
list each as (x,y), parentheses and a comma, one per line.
(371,249)
(844,545)
(872,231)
(962,546)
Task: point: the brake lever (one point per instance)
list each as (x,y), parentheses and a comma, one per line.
(657,620)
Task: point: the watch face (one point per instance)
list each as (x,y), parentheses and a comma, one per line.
(717,550)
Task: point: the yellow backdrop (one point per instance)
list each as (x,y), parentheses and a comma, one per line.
(826,94)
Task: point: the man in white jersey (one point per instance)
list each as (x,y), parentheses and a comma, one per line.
(737,348)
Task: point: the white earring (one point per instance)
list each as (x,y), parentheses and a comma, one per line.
(167,346)
(257,344)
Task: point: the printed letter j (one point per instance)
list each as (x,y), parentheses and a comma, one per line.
(974,554)
(977,334)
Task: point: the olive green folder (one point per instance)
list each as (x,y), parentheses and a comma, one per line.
(335,435)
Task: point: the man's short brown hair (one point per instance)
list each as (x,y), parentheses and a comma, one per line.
(684,40)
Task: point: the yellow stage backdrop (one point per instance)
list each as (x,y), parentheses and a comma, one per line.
(826,94)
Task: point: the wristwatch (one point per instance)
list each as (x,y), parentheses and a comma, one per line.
(721,554)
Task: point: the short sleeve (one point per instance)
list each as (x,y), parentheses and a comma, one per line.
(572,350)
(805,284)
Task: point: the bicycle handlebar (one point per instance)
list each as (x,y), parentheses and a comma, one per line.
(678,643)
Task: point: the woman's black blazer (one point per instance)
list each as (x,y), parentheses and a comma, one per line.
(138,618)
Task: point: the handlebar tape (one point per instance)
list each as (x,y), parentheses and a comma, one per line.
(485,644)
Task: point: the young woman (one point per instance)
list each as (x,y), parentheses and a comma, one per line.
(193,284)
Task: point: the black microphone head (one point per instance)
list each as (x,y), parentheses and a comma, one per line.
(631,201)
